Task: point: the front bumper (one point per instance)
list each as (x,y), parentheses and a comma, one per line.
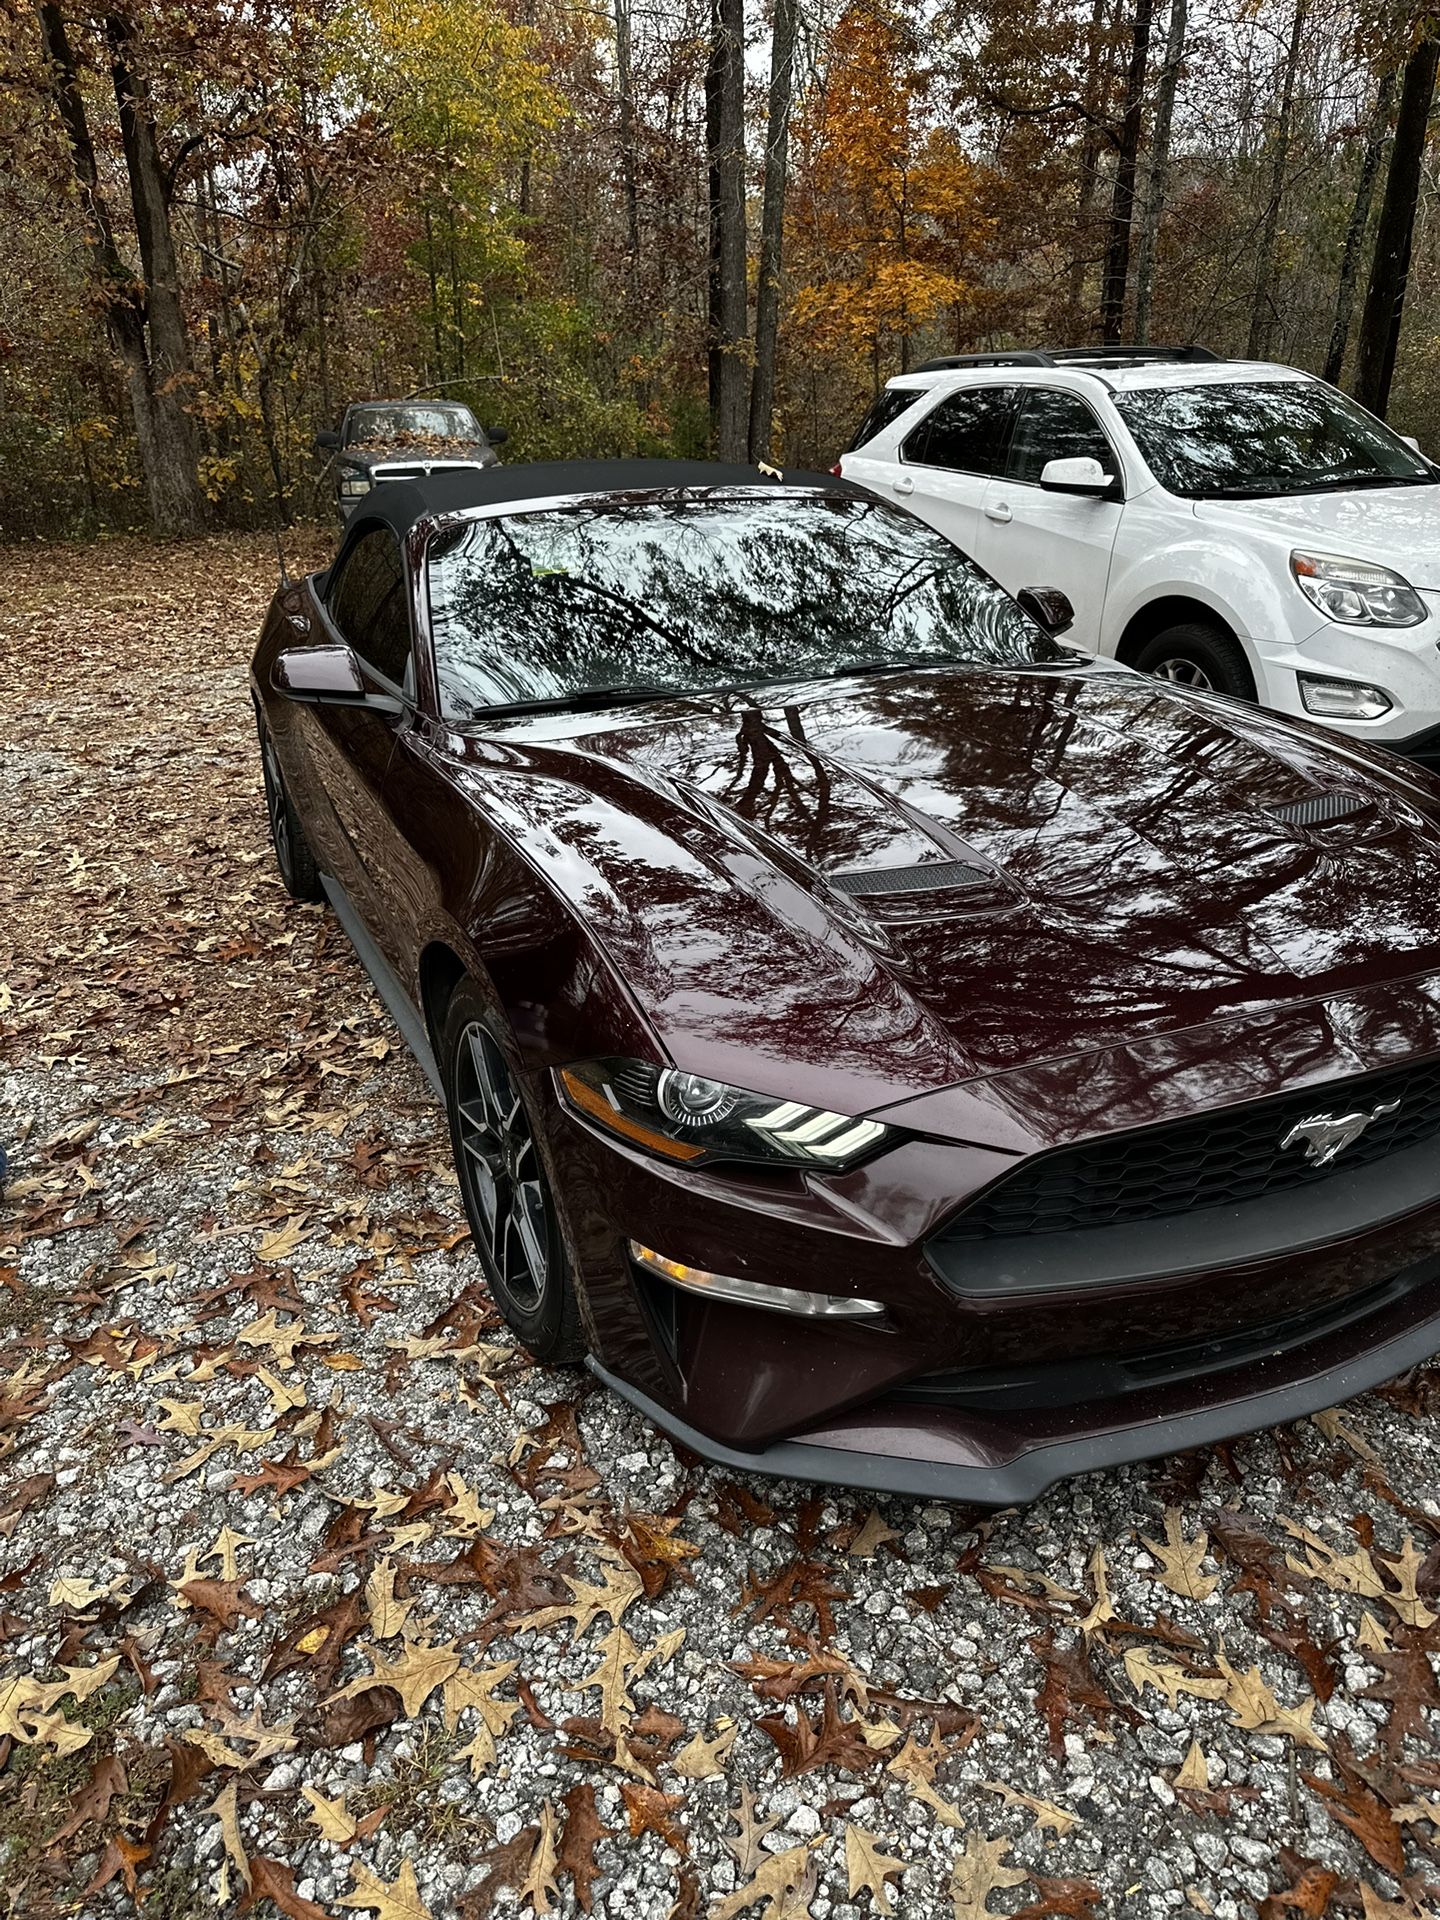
(1008,1457)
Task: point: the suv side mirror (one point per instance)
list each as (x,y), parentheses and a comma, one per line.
(1084,474)
(326,677)
(1048,607)
(327,440)
(497,436)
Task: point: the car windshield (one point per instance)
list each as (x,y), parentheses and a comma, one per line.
(703,592)
(430,421)
(1252,440)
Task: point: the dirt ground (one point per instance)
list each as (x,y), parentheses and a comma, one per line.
(316,1597)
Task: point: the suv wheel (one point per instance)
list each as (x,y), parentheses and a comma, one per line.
(505,1184)
(1195,655)
(292,850)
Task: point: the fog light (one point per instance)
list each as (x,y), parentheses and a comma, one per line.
(1342,699)
(754,1293)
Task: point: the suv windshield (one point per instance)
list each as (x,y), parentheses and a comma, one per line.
(430,421)
(1249,440)
(705,592)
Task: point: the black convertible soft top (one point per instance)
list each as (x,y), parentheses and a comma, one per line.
(399,504)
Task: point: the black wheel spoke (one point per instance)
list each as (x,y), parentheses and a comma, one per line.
(500,1171)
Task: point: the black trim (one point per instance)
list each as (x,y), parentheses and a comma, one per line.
(1292,1221)
(386,982)
(1423,748)
(1012,1482)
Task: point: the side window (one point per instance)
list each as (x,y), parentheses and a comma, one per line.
(967,433)
(885,408)
(1056,426)
(367,604)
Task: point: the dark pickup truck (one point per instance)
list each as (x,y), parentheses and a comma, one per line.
(383,440)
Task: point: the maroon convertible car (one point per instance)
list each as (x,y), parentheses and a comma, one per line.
(899,1050)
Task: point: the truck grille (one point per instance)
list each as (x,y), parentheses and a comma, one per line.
(1214,1160)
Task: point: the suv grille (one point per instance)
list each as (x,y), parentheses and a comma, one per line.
(1214,1160)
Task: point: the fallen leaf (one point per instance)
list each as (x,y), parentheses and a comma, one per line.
(777,1878)
(868,1868)
(400,1900)
(224,1809)
(272,1880)
(978,1872)
(582,1831)
(1180,1568)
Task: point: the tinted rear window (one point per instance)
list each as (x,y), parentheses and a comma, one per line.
(885,408)
(966,433)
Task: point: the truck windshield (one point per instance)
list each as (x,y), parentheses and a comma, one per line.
(430,421)
(1239,440)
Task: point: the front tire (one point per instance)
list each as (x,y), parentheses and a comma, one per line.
(1192,654)
(505,1184)
(292,850)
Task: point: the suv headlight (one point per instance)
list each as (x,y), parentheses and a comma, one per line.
(685,1117)
(354,485)
(1356,592)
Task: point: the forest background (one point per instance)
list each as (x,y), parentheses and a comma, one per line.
(667,226)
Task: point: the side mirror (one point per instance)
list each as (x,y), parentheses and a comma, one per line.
(326,677)
(1411,442)
(497,436)
(1048,607)
(1084,474)
(327,440)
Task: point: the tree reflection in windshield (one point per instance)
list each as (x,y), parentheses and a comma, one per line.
(702,592)
(1239,439)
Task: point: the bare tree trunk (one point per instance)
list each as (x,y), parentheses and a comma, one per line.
(123,302)
(1122,206)
(1390,268)
(177,503)
(729,301)
(772,226)
(1159,179)
(1077,318)
(1262,305)
(629,172)
(1375,137)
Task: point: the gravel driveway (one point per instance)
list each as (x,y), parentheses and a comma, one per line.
(316,1597)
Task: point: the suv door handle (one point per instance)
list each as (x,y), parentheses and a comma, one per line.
(903,485)
(998,510)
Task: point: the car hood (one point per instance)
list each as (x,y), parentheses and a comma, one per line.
(1112,870)
(1398,526)
(441,454)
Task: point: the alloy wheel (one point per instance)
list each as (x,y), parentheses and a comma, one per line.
(276,808)
(1182,672)
(500,1169)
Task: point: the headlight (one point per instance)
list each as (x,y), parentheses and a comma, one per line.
(1356,592)
(353,487)
(1342,699)
(685,1117)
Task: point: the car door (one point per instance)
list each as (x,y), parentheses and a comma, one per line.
(367,607)
(949,458)
(1031,538)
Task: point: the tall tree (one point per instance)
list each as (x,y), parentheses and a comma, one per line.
(1127,153)
(729,353)
(1158,182)
(772,225)
(1375,137)
(143,314)
(1390,268)
(1262,305)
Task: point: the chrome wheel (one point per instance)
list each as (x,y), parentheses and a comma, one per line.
(1183,673)
(500,1171)
(276,808)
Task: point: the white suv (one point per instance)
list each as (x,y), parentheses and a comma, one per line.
(1225,523)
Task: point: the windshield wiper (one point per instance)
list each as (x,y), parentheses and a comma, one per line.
(584,699)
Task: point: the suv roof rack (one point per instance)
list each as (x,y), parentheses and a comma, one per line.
(1069,356)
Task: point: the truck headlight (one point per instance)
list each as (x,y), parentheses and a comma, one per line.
(1356,592)
(354,487)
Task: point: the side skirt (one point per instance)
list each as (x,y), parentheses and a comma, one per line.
(386,982)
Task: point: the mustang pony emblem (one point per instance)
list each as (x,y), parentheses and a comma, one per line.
(1328,1134)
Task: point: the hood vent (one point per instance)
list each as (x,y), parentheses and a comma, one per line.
(1319,810)
(934,876)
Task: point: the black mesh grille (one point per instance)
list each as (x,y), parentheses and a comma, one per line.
(934,876)
(1214,1160)
(1319,809)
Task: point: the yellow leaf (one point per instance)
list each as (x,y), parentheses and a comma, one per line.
(539,1886)
(978,1873)
(1180,1560)
(332,1817)
(387,1614)
(1046,1814)
(702,1759)
(400,1900)
(1195,1770)
(868,1867)
(224,1809)
(415,1675)
(871,1537)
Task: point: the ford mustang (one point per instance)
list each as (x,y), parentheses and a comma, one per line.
(891,1047)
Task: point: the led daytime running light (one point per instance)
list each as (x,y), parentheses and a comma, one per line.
(754,1293)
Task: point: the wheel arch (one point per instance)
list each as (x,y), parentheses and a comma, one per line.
(439,971)
(1170,610)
